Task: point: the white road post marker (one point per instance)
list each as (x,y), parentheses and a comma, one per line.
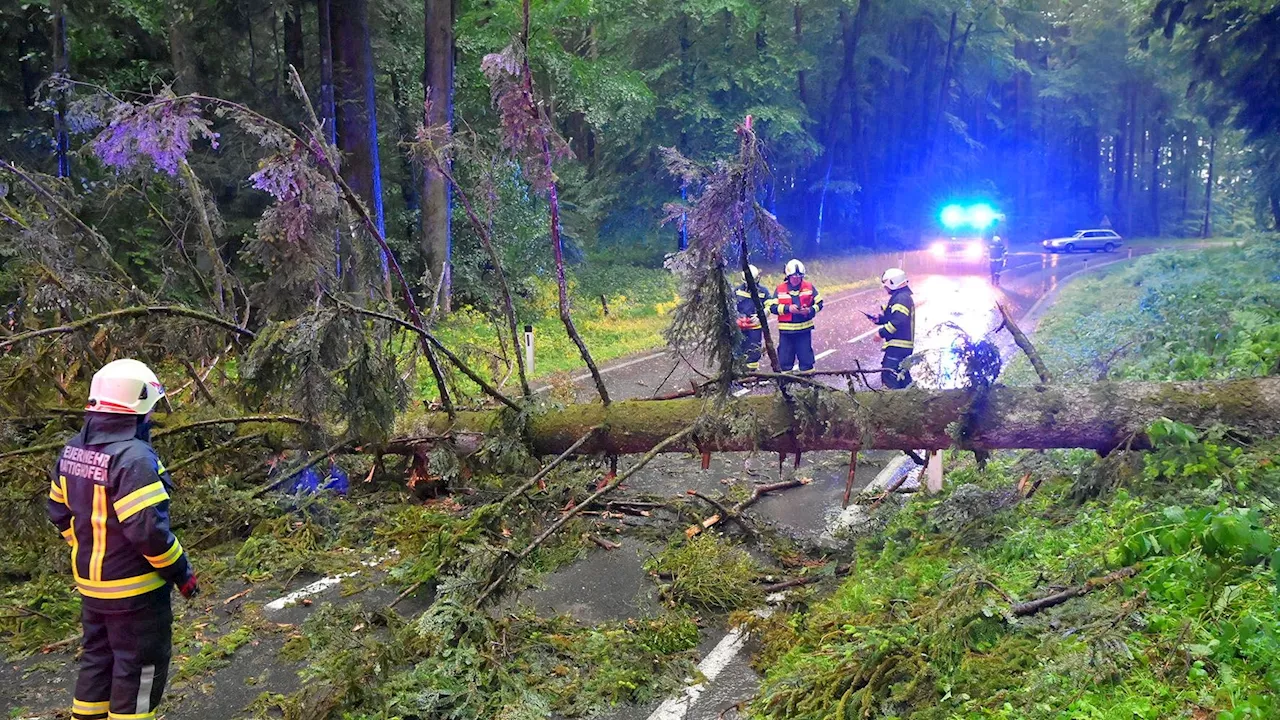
(528,349)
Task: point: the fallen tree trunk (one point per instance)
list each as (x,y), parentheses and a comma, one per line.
(1101,416)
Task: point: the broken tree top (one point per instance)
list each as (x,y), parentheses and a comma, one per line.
(1100,416)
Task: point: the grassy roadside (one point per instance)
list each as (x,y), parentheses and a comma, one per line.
(925,628)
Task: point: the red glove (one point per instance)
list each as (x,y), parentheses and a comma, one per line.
(190,588)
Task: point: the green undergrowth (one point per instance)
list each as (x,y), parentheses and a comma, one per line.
(373,664)
(1181,543)
(925,628)
(1189,315)
(639,302)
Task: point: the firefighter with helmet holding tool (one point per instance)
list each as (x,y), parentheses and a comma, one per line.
(796,304)
(748,320)
(109,497)
(897,328)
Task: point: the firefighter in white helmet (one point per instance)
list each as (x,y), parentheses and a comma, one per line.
(796,304)
(897,328)
(109,498)
(748,317)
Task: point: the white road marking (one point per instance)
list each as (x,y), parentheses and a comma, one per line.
(316,587)
(850,296)
(823,354)
(321,585)
(676,707)
(863,336)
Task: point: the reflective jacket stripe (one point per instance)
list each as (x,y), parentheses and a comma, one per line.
(99,524)
(908,344)
(117,589)
(899,307)
(68,534)
(792,327)
(131,504)
(56,493)
(891,327)
(169,557)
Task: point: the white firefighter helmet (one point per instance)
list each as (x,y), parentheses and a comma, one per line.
(795,267)
(755,273)
(127,387)
(893,279)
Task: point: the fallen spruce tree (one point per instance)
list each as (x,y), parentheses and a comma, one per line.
(1102,416)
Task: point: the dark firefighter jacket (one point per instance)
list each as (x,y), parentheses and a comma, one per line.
(110,499)
(804,299)
(747,317)
(898,320)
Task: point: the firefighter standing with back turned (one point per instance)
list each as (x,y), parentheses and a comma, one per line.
(796,304)
(110,499)
(748,320)
(897,328)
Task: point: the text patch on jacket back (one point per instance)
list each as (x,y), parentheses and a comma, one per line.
(85,464)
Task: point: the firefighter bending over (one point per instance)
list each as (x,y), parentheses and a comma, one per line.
(897,328)
(749,320)
(796,304)
(110,499)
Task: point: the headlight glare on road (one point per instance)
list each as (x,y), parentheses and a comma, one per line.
(939,250)
(975,250)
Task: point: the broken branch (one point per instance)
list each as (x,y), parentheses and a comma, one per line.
(1032,607)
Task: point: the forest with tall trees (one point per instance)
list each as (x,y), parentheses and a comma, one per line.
(871,114)
(334,227)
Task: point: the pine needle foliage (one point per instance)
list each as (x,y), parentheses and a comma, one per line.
(723,222)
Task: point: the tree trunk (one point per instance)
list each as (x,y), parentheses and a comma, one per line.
(406,118)
(1155,178)
(61,72)
(328,111)
(1206,228)
(1185,190)
(437,87)
(186,75)
(1117,165)
(355,100)
(1104,416)
(294,46)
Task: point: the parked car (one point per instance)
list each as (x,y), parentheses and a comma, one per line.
(1091,240)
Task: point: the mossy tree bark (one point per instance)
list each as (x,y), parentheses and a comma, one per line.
(1102,416)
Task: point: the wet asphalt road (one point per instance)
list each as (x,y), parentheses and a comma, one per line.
(613,585)
(843,338)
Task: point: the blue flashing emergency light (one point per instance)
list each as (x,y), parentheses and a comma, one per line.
(953,216)
(982,216)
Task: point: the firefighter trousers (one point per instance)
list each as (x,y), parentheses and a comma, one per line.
(749,346)
(892,374)
(125,662)
(795,346)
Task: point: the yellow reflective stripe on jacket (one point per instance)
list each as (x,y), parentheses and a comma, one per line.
(56,493)
(891,327)
(84,707)
(68,534)
(899,307)
(160,469)
(99,524)
(900,344)
(166,559)
(806,325)
(138,500)
(117,589)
